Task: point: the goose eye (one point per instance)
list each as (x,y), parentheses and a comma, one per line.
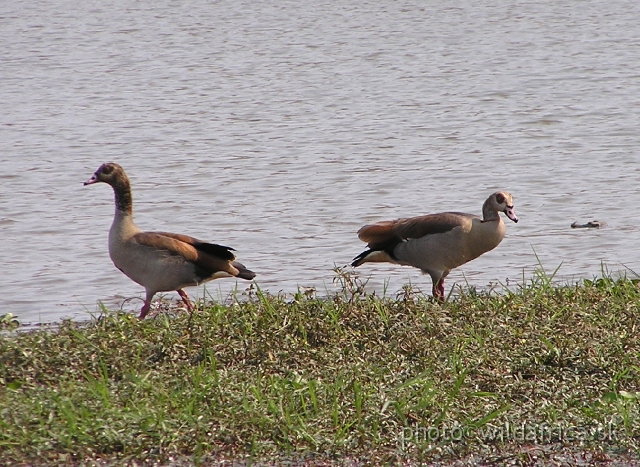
(107,169)
(500,198)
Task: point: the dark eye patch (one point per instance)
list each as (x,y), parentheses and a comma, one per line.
(500,198)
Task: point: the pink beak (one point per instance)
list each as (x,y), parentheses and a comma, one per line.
(92,180)
(511,213)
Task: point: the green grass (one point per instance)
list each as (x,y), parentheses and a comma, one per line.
(352,376)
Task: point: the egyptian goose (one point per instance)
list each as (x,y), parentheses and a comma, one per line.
(160,261)
(437,243)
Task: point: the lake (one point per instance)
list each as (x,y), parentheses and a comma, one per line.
(280,128)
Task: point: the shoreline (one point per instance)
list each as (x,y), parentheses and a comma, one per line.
(535,374)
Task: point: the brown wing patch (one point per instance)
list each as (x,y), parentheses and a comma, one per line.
(181,237)
(171,245)
(208,263)
(416,227)
(221,251)
(380,232)
(413,227)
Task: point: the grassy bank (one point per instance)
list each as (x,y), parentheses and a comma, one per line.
(352,376)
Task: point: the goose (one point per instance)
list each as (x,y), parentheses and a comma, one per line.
(437,243)
(160,261)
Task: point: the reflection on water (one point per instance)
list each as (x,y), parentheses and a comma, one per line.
(280,128)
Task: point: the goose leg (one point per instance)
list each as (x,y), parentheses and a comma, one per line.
(147,305)
(185,299)
(438,286)
(144,310)
(438,290)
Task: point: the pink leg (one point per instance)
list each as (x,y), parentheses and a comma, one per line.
(438,290)
(147,304)
(185,299)
(145,309)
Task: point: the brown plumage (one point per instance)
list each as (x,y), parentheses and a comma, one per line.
(160,261)
(437,243)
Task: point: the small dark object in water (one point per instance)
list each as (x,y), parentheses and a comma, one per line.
(588,225)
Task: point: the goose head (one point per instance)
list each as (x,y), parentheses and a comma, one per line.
(110,173)
(500,201)
(114,175)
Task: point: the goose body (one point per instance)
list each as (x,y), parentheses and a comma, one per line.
(437,243)
(160,261)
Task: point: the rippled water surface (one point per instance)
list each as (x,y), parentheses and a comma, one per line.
(279,128)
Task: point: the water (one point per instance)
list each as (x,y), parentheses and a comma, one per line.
(279,128)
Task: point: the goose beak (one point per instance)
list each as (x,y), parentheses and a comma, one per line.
(92,180)
(511,213)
